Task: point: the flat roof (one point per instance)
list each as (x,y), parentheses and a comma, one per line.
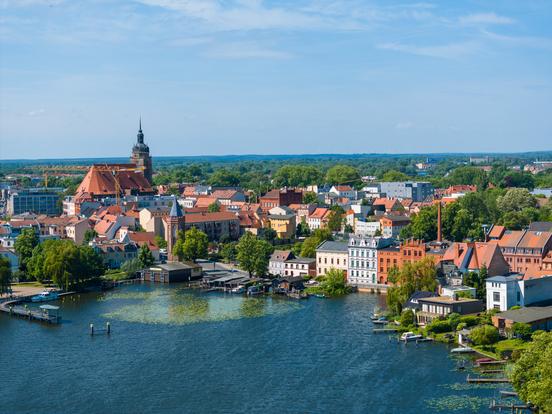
(171,266)
(527,315)
(227,278)
(447,299)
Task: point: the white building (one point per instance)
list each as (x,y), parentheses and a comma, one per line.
(367,228)
(363,260)
(503,292)
(276,263)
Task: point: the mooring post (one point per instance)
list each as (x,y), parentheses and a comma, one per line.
(91,329)
(108,327)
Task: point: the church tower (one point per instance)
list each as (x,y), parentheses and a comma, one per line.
(174,222)
(141,155)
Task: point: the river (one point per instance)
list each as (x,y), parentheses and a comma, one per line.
(173,350)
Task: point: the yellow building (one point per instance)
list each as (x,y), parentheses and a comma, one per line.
(284,225)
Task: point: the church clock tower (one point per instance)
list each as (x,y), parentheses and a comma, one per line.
(141,155)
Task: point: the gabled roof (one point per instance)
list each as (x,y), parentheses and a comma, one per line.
(319,213)
(207,217)
(281,255)
(100,180)
(333,246)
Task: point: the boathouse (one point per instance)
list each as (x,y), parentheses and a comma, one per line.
(172,272)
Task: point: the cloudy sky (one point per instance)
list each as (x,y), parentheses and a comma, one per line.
(273,77)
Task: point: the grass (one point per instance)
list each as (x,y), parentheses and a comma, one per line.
(33,283)
(115,276)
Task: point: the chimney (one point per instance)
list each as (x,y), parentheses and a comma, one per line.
(439,232)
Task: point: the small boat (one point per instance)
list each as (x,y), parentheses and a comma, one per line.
(45,296)
(462,350)
(239,289)
(381,321)
(320,295)
(253,290)
(480,360)
(410,336)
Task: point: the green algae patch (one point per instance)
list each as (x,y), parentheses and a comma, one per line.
(462,403)
(180,307)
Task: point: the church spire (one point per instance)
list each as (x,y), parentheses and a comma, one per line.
(140,135)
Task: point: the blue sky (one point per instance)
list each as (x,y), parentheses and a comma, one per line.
(266,77)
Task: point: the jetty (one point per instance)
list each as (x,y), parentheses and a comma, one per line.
(479,380)
(511,407)
(46,313)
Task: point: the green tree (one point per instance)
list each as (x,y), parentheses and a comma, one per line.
(160,242)
(224,178)
(213,207)
(308,248)
(342,174)
(484,335)
(178,248)
(515,199)
(228,252)
(335,218)
(195,245)
(145,256)
(522,330)
(24,245)
(411,277)
(131,267)
(297,176)
(310,197)
(423,225)
(407,317)
(532,373)
(334,283)
(89,235)
(5,275)
(253,254)
(468,176)
(269,234)
(393,175)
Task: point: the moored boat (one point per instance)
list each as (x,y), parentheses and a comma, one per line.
(410,336)
(462,350)
(239,289)
(45,295)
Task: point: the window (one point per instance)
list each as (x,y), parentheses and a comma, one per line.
(496,296)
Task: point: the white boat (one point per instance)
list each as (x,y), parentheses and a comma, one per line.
(239,289)
(45,296)
(410,336)
(462,350)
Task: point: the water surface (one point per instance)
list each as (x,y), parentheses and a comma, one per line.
(174,350)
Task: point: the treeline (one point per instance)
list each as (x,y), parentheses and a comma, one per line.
(514,208)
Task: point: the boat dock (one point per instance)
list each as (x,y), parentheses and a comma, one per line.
(47,313)
(479,380)
(510,407)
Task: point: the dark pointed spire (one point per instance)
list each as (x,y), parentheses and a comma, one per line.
(140,135)
(176,211)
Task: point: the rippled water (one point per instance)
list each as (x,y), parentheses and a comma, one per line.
(177,351)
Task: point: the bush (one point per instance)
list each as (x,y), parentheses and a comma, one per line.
(438,326)
(461,326)
(522,330)
(484,335)
(407,318)
(470,320)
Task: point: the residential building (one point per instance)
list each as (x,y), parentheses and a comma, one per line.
(216,225)
(227,197)
(525,248)
(283,224)
(114,253)
(362,270)
(387,205)
(417,191)
(276,263)
(413,301)
(319,218)
(366,228)
(300,266)
(285,197)
(509,290)
(391,225)
(442,306)
(472,256)
(539,318)
(332,255)
(34,200)
(343,191)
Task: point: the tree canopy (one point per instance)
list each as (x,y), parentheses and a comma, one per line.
(5,275)
(342,174)
(253,254)
(191,245)
(308,248)
(532,373)
(297,176)
(24,245)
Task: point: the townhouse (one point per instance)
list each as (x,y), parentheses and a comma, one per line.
(362,270)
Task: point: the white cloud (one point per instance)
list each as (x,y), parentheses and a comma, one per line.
(448,51)
(544,43)
(245,50)
(36,112)
(485,19)
(404,125)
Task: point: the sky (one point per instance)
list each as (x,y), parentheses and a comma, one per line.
(215,77)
